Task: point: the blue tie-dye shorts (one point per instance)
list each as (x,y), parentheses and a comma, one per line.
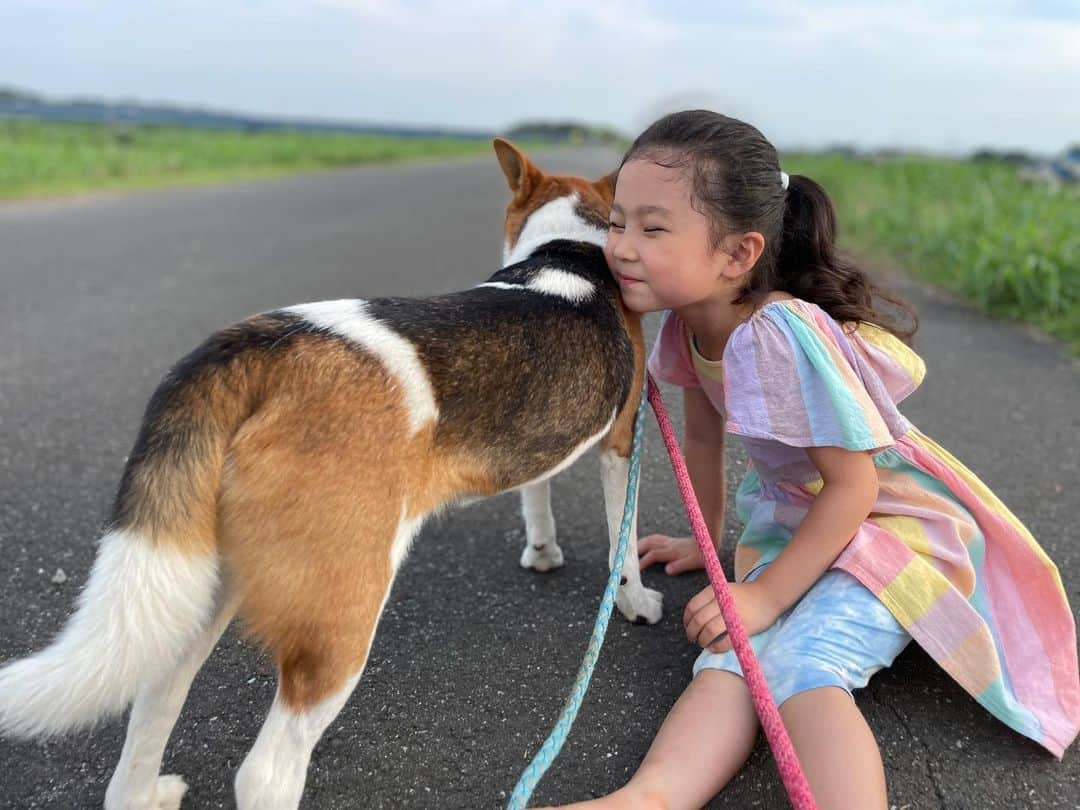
(838,634)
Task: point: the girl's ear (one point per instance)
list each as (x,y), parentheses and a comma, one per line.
(745,253)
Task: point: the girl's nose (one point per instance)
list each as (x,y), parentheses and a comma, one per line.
(622,249)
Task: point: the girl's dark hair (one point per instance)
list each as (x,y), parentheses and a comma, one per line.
(735,176)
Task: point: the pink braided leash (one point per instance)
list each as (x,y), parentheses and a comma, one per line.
(790,771)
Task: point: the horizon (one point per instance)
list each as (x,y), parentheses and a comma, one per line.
(448,131)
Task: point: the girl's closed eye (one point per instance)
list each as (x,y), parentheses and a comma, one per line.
(650,229)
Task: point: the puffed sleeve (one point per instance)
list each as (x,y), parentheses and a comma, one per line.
(670,359)
(792,376)
(893,362)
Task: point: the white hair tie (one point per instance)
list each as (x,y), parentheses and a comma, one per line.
(784,180)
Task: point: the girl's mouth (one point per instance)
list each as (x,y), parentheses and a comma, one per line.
(627,280)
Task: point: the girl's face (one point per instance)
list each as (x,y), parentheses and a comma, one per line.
(658,244)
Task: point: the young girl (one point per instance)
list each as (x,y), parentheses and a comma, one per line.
(860,532)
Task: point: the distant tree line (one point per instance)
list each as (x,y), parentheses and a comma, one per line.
(574,132)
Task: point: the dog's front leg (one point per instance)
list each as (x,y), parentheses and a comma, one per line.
(542,552)
(636,602)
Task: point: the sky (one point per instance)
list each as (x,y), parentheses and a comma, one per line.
(941,76)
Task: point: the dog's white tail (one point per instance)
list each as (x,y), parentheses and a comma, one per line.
(143,606)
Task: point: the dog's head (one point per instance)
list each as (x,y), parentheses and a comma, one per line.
(547,207)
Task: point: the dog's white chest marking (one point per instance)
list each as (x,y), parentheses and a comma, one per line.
(349,318)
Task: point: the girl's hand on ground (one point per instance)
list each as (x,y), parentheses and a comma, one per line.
(705,626)
(680,553)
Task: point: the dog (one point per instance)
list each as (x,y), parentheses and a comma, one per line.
(283,468)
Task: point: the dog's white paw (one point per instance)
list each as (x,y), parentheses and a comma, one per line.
(640,604)
(542,557)
(170,792)
(166,793)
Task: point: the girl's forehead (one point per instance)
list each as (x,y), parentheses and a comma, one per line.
(643,182)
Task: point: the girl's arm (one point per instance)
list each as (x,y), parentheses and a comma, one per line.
(848,495)
(704,443)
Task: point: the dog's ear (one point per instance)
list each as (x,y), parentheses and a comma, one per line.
(521,174)
(606,185)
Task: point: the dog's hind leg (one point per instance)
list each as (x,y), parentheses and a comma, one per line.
(542,552)
(136,784)
(321,639)
(273,774)
(315,682)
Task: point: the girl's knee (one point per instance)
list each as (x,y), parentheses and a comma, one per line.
(641,796)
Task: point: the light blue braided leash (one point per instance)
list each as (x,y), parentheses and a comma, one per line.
(535,770)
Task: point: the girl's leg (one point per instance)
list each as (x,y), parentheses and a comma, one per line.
(836,748)
(705,739)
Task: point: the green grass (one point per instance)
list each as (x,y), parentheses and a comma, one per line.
(1011,248)
(45,158)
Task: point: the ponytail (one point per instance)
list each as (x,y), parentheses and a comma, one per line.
(810,267)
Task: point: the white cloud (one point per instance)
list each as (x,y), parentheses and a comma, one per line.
(623,17)
(937,75)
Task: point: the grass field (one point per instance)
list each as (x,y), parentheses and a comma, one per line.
(1011,248)
(39,158)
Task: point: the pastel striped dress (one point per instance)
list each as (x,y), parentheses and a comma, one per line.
(955,567)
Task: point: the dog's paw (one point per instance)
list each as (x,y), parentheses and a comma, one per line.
(640,604)
(166,793)
(170,792)
(543,557)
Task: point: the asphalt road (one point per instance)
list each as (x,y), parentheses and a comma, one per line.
(474,656)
